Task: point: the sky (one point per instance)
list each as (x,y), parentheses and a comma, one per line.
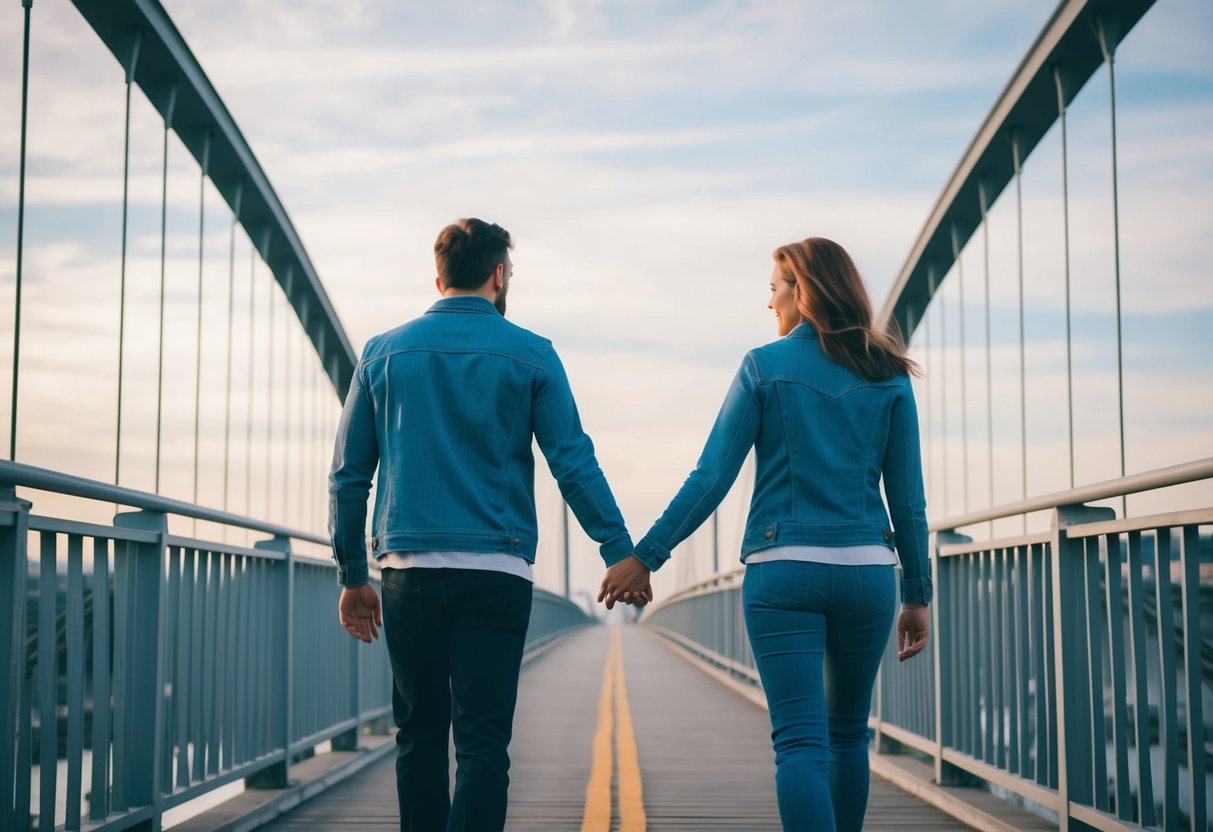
(647,158)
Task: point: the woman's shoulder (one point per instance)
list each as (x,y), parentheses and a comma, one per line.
(785,357)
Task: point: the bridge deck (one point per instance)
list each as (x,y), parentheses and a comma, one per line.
(704,752)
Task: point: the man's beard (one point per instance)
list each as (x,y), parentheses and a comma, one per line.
(499,301)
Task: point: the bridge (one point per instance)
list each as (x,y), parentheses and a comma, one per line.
(165,623)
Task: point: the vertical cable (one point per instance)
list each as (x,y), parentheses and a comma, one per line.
(231,315)
(126,179)
(320,521)
(288,384)
(269,419)
(1109,55)
(252,353)
(1023,372)
(943,382)
(168,124)
(324,445)
(205,169)
(1065,225)
(12,439)
(985,231)
(928,434)
(564,530)
(715,541)
(964,372)
(294,411)
(301,414)
(316,444)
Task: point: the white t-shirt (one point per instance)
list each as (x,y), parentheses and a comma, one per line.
(871,554)
(489,561)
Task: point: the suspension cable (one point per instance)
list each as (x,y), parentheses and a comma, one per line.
(126,179)
(12,439)
(168,125)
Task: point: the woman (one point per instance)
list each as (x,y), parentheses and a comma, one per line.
(830,411)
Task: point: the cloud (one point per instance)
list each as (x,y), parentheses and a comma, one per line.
(647,158)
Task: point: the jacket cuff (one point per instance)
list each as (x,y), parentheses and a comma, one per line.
(353,574)
(651,554)
(616,549)
(917,591)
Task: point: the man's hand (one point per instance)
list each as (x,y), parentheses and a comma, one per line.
(626,581)
(913,630)
(359,612)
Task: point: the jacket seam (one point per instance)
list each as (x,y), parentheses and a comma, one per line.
(502,479)
(450,351)
(787,444)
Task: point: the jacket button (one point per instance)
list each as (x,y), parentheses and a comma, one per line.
(516,541)
(374,543)
(888,536)
(769,534)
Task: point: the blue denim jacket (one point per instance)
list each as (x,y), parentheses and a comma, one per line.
(446,407)
(824,437)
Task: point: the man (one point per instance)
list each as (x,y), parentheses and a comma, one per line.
(446,406)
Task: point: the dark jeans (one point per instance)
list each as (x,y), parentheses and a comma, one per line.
(455,638)
(819,632)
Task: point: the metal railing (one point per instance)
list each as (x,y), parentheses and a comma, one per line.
(146,669)
(1068,668)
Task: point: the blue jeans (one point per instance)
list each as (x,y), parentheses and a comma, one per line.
(455,639)
(818,632)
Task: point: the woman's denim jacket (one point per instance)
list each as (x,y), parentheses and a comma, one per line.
(446,407)
(824,437)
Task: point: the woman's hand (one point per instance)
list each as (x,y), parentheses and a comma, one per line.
(913,630)
(626,582)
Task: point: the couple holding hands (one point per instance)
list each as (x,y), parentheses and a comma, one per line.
(445,407)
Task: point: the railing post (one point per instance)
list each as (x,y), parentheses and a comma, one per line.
(278,776)
(1071,653)
(144,683)
(14,588)
(945,593)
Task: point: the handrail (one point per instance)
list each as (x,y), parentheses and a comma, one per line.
(173,81)
(1200,469)
(691,589)
(1021,116)
(44,479)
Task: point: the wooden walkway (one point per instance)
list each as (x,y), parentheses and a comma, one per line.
(704,752)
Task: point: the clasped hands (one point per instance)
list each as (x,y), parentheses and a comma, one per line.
(626,582)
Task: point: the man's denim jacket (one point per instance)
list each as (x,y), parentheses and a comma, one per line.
(823,438)
(446,407)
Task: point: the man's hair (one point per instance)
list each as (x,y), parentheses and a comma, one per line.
(468,250)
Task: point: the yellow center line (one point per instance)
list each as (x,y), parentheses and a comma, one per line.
(614,723)
(597,813)
(631,793)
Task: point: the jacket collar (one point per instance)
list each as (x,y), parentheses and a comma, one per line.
(463,303)
(803,330)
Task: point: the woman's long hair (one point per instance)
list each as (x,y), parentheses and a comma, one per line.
(831,296)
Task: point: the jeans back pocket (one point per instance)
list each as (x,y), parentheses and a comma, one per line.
(785,584)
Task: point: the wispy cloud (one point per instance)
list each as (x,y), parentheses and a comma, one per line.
(647,157)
